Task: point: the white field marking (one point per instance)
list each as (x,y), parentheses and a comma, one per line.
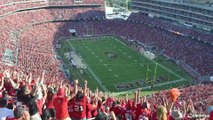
(168,69)
(154,62)
(116,76)
(92,73)
(110,70)
(105,65)
(141,65)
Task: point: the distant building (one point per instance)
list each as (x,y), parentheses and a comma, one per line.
(187,12)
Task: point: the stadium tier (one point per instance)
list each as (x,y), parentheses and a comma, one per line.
(47,44)
(199,16)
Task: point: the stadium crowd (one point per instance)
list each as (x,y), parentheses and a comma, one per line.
(28,94)
(53,2)
(25,97)
(173,27)
(92,21)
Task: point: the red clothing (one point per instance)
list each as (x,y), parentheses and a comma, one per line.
(9,88)
(117,110)
(22,83)
(94,111)
(10,118)
(49,103)
(109,102)
(142,113)
(89,111)
(70,108)
(60,105)
(40,105)
(153,116)
(77,108)
(211,116)
(101,108)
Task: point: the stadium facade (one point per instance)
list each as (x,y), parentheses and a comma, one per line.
(189,13)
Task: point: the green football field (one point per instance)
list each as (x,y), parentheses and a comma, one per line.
(113,66)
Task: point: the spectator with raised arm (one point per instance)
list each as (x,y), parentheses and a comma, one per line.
(79,102)
(60,103)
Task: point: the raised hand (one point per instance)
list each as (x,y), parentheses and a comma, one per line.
(76,82)
(7,74)
(85,82)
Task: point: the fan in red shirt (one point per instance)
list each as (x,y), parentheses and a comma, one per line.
(9,84)
(117,109)
(211,115)
(60,104)
(40,102)
(128,113)
(143,112)
(89,109)
(78,104)
(49,102)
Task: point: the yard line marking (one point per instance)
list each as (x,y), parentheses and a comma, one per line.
(167,69)
(116,76)
(156,62)
(92,73)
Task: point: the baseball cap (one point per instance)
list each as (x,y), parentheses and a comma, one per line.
(19,111)
(60,93)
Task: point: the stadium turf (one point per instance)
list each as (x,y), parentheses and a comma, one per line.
(111,65)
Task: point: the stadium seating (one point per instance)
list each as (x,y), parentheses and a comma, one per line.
(32,35)
(174,27)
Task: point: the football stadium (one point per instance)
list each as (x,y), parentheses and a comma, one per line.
(106,60)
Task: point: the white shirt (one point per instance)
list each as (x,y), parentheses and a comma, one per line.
(5,112)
